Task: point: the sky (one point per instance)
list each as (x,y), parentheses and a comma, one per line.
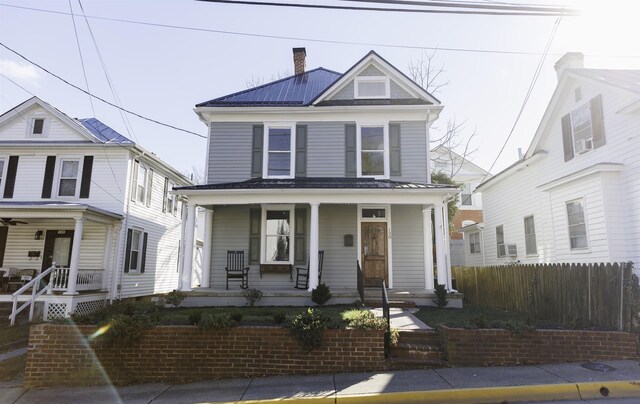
(161,72)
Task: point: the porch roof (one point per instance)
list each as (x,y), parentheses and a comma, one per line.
(53,209)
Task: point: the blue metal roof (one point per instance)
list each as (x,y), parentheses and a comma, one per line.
(104,133)
(298,90)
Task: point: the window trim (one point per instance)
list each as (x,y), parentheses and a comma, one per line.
(573,133)
(263,233)
(169,195)
(45,126)
(370,79)
(58,175)
(503,243)
(140,251)
(466,187)
(473,243)
(3,173)
(385,159)
(292,149)
(584,222)
(148,182)
(535,239)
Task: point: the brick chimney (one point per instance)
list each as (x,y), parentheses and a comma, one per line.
(299,55)
(570,60)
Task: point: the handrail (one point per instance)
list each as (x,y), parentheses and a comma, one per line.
(387,316)
(360,277)
(34,284)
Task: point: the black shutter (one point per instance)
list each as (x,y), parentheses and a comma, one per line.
(10,183)
(350,150)
(300,256)
(255,220)
(597,121)
(256,151)
(127,251)
(144,252)
(567,137)
(301,151)
(165,194)
(394,149)
(87,168)
(3,243)
(47,184)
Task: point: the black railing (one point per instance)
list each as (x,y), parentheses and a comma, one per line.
(360,278)
(387,317)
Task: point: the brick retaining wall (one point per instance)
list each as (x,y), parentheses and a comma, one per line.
(503,347)
(59,355)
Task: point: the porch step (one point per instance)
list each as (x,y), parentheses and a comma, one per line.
(403,304)
(418,349)
(5,312)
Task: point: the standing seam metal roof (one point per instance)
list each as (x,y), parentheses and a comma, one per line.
(104,133)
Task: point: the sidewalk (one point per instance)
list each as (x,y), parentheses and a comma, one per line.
(568,381)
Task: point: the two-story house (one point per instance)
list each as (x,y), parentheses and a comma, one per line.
(575,194)
(78,194)
(323,161)
(467,176)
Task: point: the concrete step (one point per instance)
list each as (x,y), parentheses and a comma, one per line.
(403,304)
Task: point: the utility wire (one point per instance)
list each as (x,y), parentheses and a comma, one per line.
(475,5)
(559,13)
(526,98)
(99,98)
(291,38)
(84,71)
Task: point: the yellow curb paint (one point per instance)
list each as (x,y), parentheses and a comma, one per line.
(320,400)
(614,389)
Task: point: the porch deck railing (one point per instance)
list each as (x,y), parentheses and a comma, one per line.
(88,279)
(360,277)
(387,317)
(35,285)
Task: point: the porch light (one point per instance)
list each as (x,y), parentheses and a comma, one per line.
(38,234)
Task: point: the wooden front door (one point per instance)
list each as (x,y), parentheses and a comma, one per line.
(374,253)
(57,248)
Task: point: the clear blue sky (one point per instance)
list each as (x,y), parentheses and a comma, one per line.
(163,72)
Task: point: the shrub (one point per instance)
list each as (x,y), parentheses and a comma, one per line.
(215,321)
(252,296)
(441,296)
(480,321)
(320,295)
(175,298)
(308,327)
(368,321)
(279,317)
(123,329)
(194,317)
(236,316)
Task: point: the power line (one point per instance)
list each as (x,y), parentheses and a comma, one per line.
(99,98)
(474,5)
(400,10)
(315,40)
(526,98)
(84,71)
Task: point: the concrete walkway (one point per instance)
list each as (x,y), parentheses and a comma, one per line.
(403,319)
(569,381)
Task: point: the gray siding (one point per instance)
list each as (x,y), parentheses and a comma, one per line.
(408,247)
(339,270)
(229,152)
(346,93)
(326,149)
(397,92)
(413,149)
(371,71)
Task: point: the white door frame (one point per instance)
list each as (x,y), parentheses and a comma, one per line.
(386,219)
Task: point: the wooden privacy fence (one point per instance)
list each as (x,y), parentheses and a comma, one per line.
(597,294)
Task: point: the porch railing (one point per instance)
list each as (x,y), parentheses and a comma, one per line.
(387,317)
(360,277)
(88,279)
(35,286)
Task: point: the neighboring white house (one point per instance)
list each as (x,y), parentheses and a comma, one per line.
(468,175)
(575,195)
(322,161)
(79,194)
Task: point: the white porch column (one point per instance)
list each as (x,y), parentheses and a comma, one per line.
(206,248)
(189,236)
(428,248)
(447,244)
(75,257)
(106,258)
(313,246)
(441,262)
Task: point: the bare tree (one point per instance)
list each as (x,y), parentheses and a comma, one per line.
(258,81)
(424,72)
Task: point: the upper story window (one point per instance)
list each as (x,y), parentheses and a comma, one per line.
(474,243)
(68,178)
(279,157)
(170,200)
(38,127)
(277,240)
(576,224)
(373,151)
(530,236)
(142,184)
(466,195)
(372,87)
(500,242)
(583,129)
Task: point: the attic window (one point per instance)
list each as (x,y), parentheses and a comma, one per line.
(372,87)
(38,127)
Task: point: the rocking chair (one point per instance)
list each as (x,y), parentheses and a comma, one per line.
(236,270)
(302,274)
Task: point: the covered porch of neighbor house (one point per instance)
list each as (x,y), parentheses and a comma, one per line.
(385,226)
(77,242)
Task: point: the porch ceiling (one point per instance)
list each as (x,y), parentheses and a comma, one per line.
(56,210)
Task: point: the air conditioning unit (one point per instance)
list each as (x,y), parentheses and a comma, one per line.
(584,145)
(512,250)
